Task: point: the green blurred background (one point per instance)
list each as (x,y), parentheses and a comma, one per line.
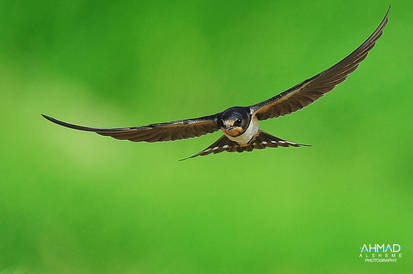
(76,202)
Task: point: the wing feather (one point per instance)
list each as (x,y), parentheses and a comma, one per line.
(313,88)
(169,131)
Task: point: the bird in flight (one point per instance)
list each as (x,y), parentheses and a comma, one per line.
(240,124)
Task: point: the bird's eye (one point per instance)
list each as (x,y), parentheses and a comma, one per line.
(237,123)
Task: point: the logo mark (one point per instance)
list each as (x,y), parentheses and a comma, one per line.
(380,253)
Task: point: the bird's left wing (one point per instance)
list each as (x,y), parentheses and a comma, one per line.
(313,88)
(168,131)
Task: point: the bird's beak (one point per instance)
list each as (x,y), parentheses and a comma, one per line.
(233,131)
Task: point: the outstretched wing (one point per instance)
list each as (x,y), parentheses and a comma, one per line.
(313,88)
(154,132)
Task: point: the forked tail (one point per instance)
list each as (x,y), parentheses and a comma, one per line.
(261,141)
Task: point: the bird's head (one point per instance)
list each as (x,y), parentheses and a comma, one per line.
(234,122)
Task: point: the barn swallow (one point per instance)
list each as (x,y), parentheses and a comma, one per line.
(240,124)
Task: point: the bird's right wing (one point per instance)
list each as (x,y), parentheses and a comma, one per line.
(168,131)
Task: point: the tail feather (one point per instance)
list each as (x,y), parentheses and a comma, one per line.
(261,141)
(220,145)
(264,139)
